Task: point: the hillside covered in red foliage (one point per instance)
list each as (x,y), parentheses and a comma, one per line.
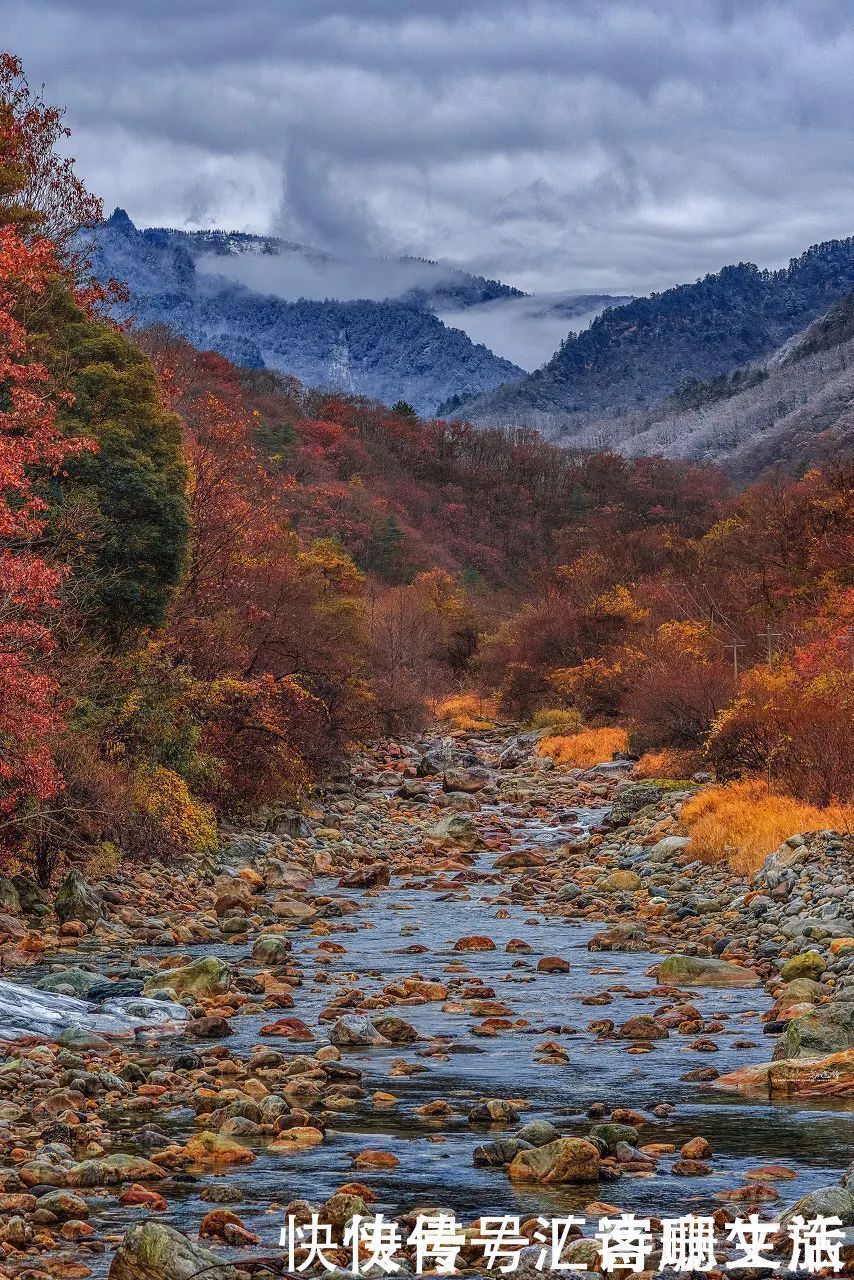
(216,582)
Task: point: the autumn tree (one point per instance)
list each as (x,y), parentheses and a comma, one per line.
(30,445)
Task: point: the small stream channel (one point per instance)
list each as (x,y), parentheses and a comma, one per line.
(436,1154)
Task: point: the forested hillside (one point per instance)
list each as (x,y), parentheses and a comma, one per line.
(388,349)
(216,582)
(785,414)
(641,353)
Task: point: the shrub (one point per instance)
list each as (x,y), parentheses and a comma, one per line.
(679,682)
(745,821)
(167,821)
(558,720)
(671,762)
(467,711)
(794,724)
(584,749)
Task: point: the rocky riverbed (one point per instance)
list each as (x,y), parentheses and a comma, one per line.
(465,979)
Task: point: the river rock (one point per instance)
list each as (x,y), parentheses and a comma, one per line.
(631,799)
(500,1153)
(77,900)
(206,976)
(369,877)
(455,831)
(154,1251)
(271,949)
(611,1135)
(396,1030)
(111,1171)
(77,982)
(354,1029)
(537,1133)
(620,882)
(31,897)
(211,1149)
(9,899)
(816,1035)
(643,1027)
(809,964)
(830,1077)
(563,1161)
(826,1202)
(704,971)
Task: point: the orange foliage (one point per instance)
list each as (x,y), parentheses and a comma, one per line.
(745,821)
(668,763)
(467,711)
(584,749)
(794,723)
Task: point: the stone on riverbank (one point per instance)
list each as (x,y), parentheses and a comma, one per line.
(77,900)
(830,1077)
(816,1036)
(809,964)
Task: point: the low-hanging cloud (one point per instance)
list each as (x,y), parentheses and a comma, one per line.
(618,147)
(294,274)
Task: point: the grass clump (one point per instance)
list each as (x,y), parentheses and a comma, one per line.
(742,822)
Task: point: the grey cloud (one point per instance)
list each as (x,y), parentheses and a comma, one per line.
(609,147)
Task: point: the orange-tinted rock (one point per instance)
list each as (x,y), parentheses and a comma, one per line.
(474,943)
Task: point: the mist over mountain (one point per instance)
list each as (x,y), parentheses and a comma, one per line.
(785,413)
(640,353)
(245,297)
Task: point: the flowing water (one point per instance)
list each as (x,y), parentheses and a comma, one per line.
(436,1154)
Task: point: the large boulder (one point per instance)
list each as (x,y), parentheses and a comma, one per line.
(112,1171)
(456,831)
(9,899)
(704,971)
(830,1077)
(154,1251)
(816,1036)
(631,799)
(77,900)
(206,976)
(76,982)
(565,1160)
(809,964)
(469,780)
(826,1202)
(32,899)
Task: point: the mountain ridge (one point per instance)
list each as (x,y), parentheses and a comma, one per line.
(639,353)
(387,350)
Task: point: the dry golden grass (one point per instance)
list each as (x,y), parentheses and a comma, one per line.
(584,749)
(744,821)
(467,711)
(558,720)
(669,763)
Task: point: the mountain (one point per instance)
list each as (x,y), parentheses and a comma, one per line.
(787,413)
(386,349)
(641,353)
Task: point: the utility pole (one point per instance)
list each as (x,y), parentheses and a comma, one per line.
(770,636)
(735,645)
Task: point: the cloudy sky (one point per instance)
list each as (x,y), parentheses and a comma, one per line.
(556,144)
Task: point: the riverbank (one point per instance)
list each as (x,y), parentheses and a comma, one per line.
(460,957)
